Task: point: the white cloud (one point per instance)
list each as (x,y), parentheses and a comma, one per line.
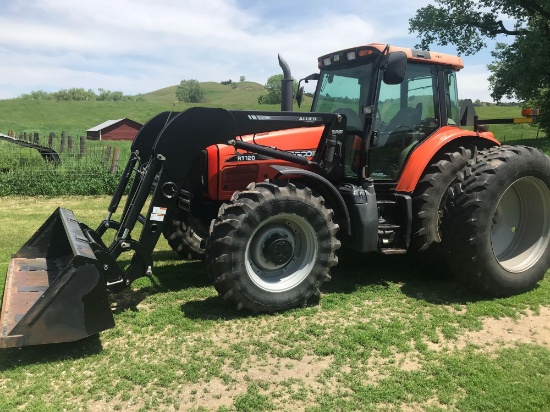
(473,83)
(138,45)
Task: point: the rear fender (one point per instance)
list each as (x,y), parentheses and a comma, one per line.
(422,155)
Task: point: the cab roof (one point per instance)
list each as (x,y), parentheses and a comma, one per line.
(412,54)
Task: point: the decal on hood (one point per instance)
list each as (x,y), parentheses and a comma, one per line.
(251,157)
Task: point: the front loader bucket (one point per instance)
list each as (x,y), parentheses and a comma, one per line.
(55,289)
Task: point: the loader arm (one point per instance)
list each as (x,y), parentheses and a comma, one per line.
(178,144)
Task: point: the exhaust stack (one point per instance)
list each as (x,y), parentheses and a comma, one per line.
(286,86)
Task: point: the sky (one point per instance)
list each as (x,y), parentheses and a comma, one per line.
(138,46)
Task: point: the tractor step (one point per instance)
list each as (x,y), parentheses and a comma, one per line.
(393,251)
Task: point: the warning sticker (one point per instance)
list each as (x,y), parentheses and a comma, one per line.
(158,213)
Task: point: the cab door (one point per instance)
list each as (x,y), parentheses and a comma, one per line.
(406,114)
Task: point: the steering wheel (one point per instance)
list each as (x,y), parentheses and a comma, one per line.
(406,138)
(353,119)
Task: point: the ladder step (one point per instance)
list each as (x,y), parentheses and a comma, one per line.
(388,226)
(393,251)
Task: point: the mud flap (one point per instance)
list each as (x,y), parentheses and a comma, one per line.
(55,290)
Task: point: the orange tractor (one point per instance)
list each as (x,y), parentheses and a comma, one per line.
(267,198)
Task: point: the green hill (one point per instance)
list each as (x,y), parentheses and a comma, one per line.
(244,93)
(75,117)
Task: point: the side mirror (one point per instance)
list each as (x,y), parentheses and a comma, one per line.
(395,68)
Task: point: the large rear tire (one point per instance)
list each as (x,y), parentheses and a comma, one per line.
(272,247)
(428,201)
(498,239)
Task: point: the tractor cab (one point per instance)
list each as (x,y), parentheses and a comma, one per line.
(393,99)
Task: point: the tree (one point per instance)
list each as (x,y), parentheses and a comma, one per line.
(520,69)
(273,87)
(189,91)
(242,79)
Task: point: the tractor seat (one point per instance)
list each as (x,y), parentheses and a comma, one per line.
(408,117)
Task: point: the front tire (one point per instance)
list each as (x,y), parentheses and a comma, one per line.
(272,247)
(498,237)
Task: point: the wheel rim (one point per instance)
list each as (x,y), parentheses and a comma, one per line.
(281,252)
(521,225)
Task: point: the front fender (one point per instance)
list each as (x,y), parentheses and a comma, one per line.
(324,188)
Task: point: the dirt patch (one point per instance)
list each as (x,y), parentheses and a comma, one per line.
(505,332)
(286,376)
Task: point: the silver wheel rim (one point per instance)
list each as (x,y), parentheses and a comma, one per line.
(294,265)
(521,225)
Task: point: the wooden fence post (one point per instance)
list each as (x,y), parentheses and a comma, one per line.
(82,145)
(62,148)
(70,144)
(114,164)
(36,138)
(50,139)
(107,155)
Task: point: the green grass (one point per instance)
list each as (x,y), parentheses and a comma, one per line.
(385,336)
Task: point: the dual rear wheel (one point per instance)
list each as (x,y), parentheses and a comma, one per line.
(497,239)
(487,216)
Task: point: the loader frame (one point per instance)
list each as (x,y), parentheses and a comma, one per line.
(177,140)
(78,264)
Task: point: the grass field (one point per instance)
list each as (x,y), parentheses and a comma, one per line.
(385,336)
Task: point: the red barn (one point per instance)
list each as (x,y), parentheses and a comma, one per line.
(121,129)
